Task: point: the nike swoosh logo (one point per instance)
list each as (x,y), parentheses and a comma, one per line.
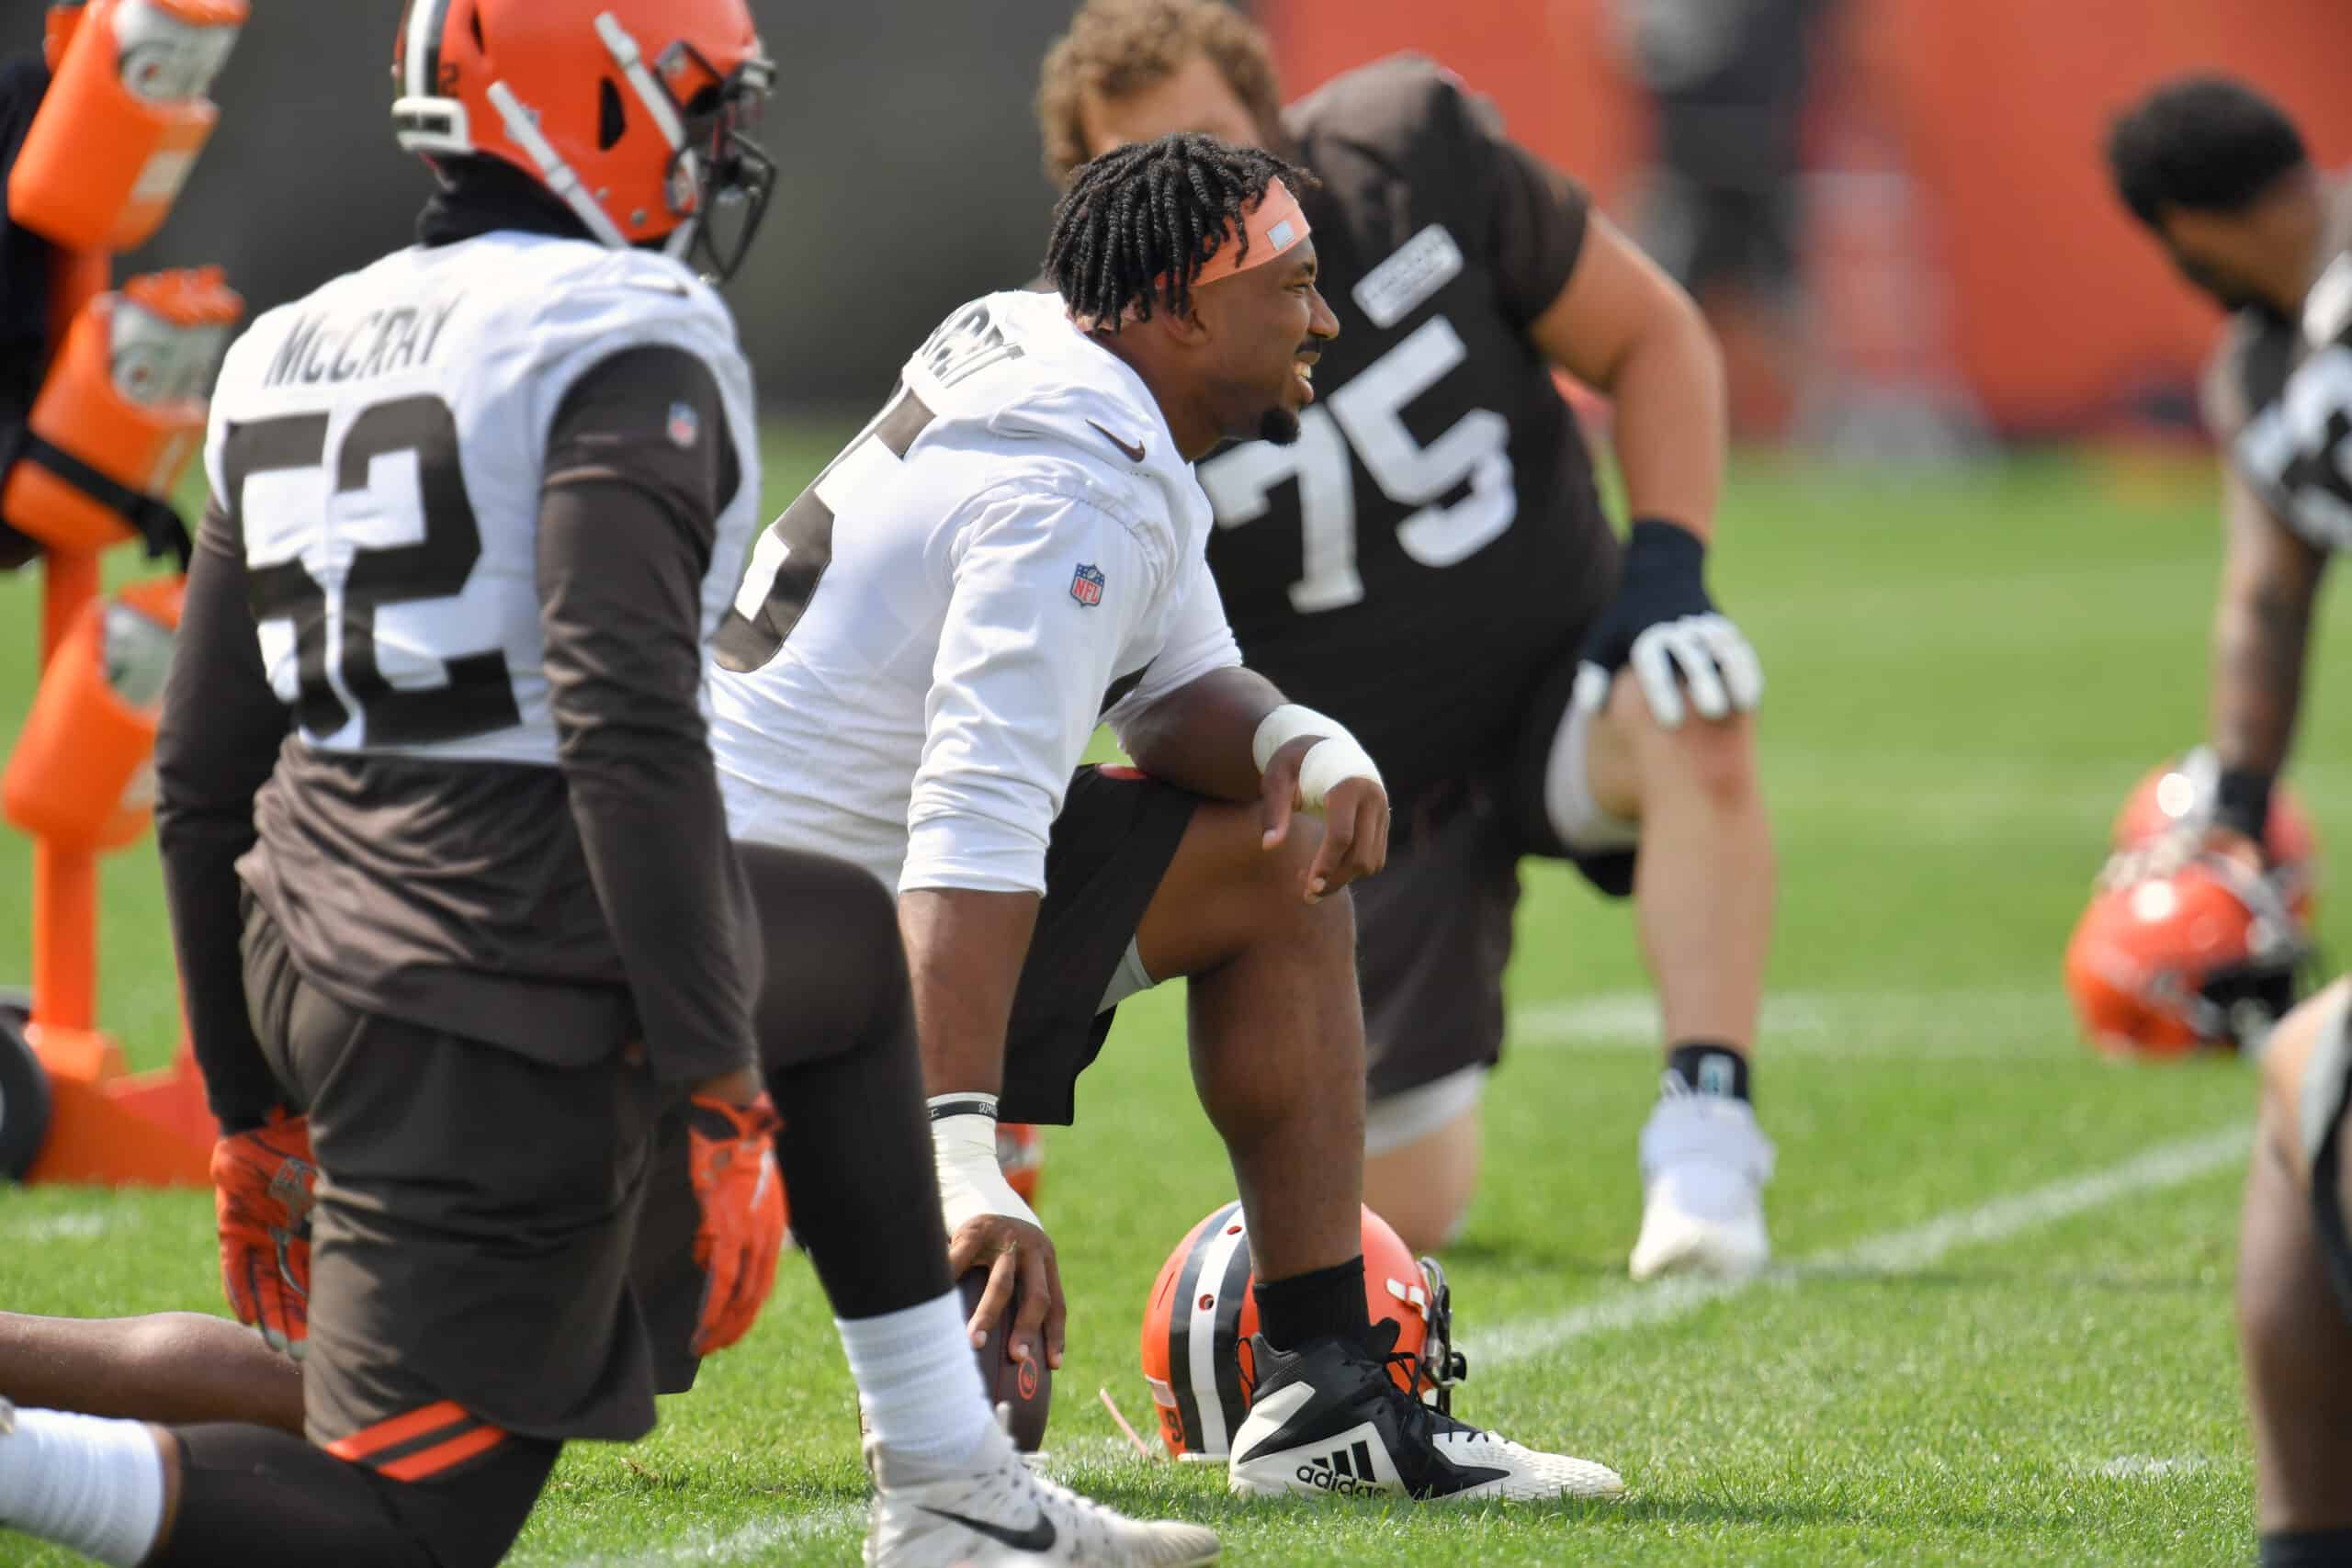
(663,286)
(1134,453)
(1038,1536)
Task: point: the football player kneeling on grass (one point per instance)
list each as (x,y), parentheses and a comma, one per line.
(1430,564)
(919,654)
(476,509)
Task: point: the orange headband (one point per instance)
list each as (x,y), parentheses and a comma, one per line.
(1277,225)
(1274,226)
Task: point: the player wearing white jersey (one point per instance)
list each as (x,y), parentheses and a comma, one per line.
(924,641)
(461,927)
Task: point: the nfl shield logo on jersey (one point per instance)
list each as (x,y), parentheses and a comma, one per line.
(1086,587)
(683,425)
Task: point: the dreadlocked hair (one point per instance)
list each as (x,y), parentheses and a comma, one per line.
(1138,223)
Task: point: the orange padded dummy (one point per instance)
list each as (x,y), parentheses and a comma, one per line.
(123,120)
(124,401)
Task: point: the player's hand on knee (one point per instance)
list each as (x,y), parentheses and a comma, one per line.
(1309,762)
(262,1181)
(1355,836)
(1685,654)
(731,1154)
(1014,1252)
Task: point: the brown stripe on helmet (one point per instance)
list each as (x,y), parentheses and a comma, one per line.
(1180,1329)
(1231,1394)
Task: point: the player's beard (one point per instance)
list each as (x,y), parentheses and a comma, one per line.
(1278,426)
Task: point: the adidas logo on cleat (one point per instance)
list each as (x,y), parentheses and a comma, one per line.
(1344,1474)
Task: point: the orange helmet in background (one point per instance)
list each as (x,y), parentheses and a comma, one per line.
(633,113)
(2177,796)
(1197,1326)
(2206,955)
(1021,1155)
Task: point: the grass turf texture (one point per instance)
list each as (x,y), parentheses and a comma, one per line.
(1966,674)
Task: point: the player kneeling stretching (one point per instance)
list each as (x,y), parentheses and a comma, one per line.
(1431,564)
(475,510)
(922,646)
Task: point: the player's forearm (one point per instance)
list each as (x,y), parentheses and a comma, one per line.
(654,834)
(619,617)
(2260,635)
(965,949)
(215,745)
(1670,419)
(1199,736)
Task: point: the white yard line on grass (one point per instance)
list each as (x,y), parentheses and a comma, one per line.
(1893,1252)
(1942,1026)
(755,1542)
(72,1224)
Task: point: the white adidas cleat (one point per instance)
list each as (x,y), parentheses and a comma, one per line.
(1704,1164)
(1327,1420)
(990,1510)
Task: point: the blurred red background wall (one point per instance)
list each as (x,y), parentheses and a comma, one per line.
(1997,109)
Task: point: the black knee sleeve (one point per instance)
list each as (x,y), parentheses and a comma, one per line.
(836,1027)
(2307,1549)
(836,971)
(251,1498)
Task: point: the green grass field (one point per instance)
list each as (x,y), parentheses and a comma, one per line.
(2003,1332)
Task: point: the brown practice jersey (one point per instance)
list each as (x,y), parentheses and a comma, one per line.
(437,694)
(2279,400)
(1432,542)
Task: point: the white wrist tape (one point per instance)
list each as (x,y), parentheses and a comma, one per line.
(1330,762)
(962,1140)
(1286,724)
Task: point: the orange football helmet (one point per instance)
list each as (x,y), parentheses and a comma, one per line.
(633,112)
(2205,956)
(2177,796)
(1020,1155)
(1198,1323)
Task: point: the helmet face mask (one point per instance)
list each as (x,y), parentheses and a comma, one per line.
(719,180)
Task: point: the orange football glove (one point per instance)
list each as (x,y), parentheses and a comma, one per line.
(731,1151)
(261,1182)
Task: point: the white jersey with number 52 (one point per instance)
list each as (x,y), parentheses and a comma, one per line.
(380,446)
(925,639)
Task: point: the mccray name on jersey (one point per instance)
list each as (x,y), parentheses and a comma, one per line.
(381,342)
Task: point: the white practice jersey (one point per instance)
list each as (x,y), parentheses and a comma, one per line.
(381,446)
(927,639)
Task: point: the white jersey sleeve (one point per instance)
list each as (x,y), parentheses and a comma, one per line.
(1050,589)
(1200,640)
(925,640)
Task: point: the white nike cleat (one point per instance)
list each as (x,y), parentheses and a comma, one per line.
(1327,1420)
(1704,1164)
(990,1510)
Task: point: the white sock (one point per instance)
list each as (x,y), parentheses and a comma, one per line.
(918,1380)
(91,1485)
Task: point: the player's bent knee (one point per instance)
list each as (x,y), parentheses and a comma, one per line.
(1717,759)
(834,967)
(1421,1153)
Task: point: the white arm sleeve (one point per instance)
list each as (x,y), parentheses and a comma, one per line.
(1023,665)
(1200,640)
